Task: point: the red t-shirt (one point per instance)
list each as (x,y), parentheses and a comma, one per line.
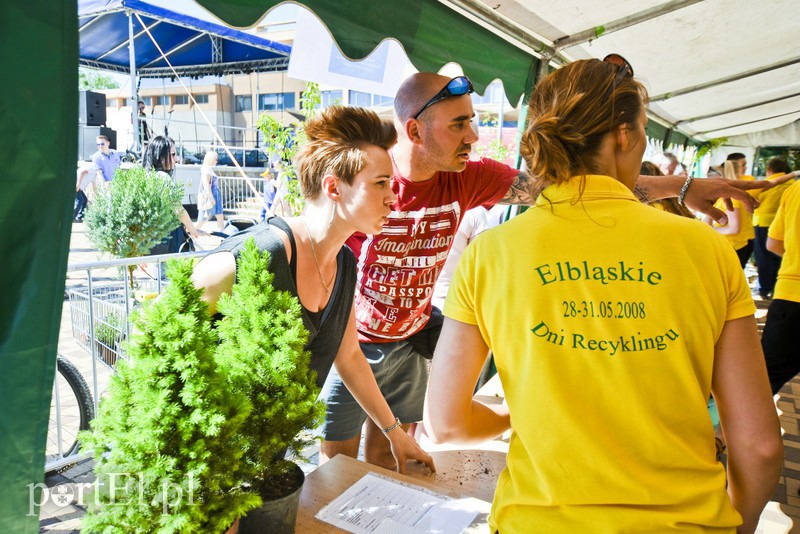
(398,268)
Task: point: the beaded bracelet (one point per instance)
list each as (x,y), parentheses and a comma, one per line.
(392,427)
(685,188)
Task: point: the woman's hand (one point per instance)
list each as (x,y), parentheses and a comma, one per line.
(195,232)
(405,448)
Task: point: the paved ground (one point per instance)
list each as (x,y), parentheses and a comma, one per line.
(55,518)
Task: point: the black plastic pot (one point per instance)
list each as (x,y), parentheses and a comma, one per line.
(277,516)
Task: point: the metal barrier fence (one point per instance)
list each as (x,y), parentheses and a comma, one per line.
(238,197)
(100,314)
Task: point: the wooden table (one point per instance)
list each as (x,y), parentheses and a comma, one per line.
(460,473)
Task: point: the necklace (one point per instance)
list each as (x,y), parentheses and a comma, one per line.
(316,262)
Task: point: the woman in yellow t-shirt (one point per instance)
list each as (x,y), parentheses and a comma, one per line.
(739,230)
(605,370)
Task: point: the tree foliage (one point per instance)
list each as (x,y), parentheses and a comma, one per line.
(134,213)
(164,442)
(285,142)
(92,80)
(263,358)
(193,431)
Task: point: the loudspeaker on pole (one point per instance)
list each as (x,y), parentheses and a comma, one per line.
(91,108)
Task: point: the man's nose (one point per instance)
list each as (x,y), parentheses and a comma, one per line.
(471,136)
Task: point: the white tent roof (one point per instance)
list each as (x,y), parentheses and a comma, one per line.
(714,68)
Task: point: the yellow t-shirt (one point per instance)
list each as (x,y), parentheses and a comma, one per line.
(770,200)
(746,231)
(786,227)
(603,324)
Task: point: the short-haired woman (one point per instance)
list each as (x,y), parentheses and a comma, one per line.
(344,171)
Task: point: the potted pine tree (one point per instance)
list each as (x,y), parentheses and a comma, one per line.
(109,332)
(135,213)
(165,440)
(262,356)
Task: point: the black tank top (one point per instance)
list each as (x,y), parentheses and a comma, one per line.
(326,327)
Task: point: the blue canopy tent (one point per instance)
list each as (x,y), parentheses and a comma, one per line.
(194,47)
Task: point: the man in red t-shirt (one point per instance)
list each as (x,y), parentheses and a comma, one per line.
(435,183)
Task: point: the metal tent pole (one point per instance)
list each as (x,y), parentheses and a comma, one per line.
(134,97)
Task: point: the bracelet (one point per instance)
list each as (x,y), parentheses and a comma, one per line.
(685,188)
(392,427)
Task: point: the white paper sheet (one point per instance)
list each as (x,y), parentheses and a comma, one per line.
(379,505)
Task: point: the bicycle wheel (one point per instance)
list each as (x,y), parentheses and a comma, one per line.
(71,409)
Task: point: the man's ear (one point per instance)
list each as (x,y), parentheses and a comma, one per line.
(330,186)
(414,129)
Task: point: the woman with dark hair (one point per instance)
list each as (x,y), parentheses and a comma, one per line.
(160,157)
(606,371)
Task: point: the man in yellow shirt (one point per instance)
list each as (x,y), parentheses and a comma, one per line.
(769,200)
(780,337)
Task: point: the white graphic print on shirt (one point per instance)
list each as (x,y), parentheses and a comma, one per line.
(393,293)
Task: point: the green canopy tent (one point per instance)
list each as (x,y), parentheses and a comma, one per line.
(38,136)
(431,34)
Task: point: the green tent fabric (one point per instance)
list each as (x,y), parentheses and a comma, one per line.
(431,34)
(38,140)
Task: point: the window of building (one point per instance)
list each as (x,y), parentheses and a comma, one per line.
(331,98)
(111,102)
(181,99)
(366,100)
(493,95)
(148,100)
(244,103)
(162,100)
(275,101)
(382,101)
(201,99)
(357,98)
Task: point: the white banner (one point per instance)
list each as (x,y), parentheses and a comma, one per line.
(316,58)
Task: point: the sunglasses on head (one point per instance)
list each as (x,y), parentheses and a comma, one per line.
(625,71)
(456,87)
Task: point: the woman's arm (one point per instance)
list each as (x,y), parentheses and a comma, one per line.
(357,376)
(215,274)
(205,178)
(776,246)
(749,419)
(734,222)
(451,414)
(187,223)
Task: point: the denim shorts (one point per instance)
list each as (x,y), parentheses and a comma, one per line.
(402,376)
